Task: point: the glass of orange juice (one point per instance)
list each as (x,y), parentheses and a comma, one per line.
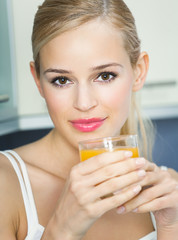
(92,147)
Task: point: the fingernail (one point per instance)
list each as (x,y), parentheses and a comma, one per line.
(141,173)
(120,210)
(128,154)
(140,161)
(137,189)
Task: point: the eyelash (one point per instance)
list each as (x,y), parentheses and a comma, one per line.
(54,80)
(112,74)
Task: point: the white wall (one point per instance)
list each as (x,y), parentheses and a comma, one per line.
(157,23)
(29,100)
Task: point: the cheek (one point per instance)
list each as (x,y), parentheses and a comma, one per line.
(119,105)
(118,99)
(56,102)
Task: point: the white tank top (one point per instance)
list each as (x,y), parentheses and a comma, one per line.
(35,230)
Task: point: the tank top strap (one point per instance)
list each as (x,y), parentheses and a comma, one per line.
(153,220)
(23,188)
(27,186)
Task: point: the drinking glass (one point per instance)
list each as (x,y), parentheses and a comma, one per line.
(93,147)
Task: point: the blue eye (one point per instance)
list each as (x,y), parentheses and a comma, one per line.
(61,81)
(106,76)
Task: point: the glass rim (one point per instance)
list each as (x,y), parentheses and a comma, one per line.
(120,137)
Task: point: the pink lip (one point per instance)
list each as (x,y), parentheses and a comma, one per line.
(87,125)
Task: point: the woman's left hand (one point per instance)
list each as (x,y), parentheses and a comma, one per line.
(159,195)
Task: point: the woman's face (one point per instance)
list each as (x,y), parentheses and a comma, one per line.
(86,79)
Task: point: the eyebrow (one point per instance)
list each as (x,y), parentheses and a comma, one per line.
(106,65)
(58,70)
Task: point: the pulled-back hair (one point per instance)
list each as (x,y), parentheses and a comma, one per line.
(58,16)
(55,17)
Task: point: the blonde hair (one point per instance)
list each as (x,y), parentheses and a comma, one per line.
(55,17)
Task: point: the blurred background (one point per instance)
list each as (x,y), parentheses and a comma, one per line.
(23,113)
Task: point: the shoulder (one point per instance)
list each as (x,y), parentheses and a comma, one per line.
(34,155)
(7,175)
(9,200)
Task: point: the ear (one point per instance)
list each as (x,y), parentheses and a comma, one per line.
(36,77)
(141,70)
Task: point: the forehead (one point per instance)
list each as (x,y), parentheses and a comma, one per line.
(91,41)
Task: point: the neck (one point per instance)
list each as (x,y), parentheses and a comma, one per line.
(65,156)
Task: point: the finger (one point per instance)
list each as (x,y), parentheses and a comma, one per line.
(102,160)
(150,179)
(111,186)
(167,201)
(151,194)
(157,176)
(114,170)
(104,205)
(149,166)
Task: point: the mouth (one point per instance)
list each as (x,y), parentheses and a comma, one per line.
(87,125)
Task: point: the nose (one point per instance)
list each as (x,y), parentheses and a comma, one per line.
(85,98)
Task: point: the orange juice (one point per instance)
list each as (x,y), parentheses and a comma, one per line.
(88,153)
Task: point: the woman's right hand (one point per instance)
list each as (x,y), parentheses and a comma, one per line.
(82,203)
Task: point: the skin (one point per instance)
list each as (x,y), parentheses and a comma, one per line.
(64,187)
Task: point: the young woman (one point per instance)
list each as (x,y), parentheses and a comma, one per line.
(88,67)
